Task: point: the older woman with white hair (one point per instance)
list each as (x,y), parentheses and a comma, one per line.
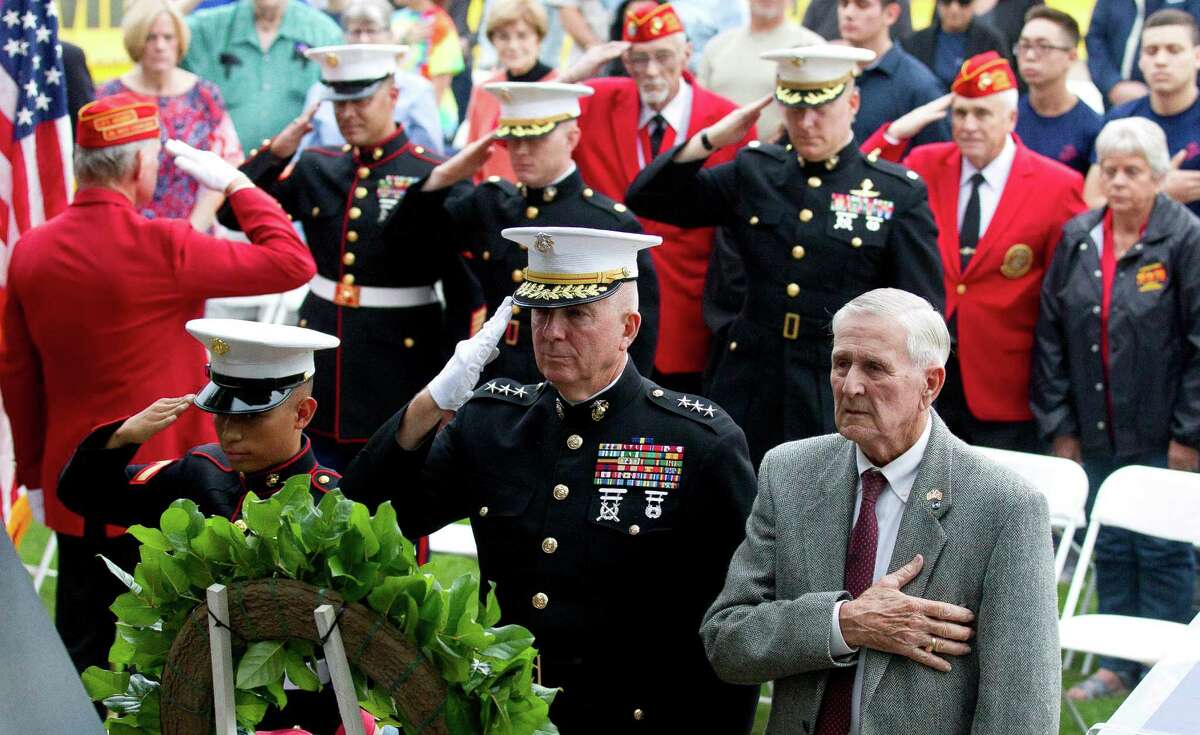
(1116,374)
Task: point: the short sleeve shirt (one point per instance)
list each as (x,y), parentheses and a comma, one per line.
(263,91)
(1182,131)
(1067,138)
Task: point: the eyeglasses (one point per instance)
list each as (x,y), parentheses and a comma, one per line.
(961,3)
(665,59)
(1039,48)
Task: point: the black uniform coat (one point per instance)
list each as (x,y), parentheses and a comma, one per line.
(802,262)
(100,484)
(481,213)
(614,589)
(350,203)
(1153,338)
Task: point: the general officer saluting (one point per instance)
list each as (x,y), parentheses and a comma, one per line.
(815,224)
(538,125)
(260,395)
(377,261)
(605,508)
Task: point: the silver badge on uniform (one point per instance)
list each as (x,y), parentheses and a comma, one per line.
(610,503)
(654,499)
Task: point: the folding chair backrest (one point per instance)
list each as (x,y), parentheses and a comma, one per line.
(1152,501)
(1062,481)
(1147,500)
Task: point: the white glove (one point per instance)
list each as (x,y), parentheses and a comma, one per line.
(37,504)
(452,387)
(212,171)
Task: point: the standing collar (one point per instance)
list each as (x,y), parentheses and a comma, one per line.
(901,472)
(848,154)
(569,183)
(996,172)
(607,402)
(677,112)
(369,155)
(267,481)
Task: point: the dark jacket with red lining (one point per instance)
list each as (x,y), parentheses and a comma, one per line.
(100,484)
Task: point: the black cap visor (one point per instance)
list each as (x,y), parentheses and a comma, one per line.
(229,395)
(356,89)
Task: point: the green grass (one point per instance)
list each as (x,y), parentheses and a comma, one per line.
(447,568)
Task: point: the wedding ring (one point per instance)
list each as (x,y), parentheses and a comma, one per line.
(933,645)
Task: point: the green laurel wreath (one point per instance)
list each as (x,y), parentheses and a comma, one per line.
(334,545)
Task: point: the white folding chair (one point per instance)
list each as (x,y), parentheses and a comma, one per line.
(1146,500)
(1062,482)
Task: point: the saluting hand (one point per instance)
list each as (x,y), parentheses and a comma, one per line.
(284,144)
(452,387)
(593,60)
(910,124)
(140,427)
(886,619)
(726,131)
(462,165)
(206,167)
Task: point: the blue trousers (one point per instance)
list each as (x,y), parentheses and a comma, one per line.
(1138,575)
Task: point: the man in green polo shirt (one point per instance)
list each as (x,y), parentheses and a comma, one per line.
(254,51)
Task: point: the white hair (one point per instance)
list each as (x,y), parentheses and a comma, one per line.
(1135,136)
(375,12)
(927,338)
(108,165)
(1009,97)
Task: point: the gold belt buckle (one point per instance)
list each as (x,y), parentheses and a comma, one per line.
(791,325)
(346,294)
(512,333)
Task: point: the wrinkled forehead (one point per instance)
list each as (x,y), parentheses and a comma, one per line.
(673,42)
(990,103)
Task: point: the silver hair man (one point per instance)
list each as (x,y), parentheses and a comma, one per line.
(928,339)
(100,166)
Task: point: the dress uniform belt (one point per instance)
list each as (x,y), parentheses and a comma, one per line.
(377,296)
(804,346)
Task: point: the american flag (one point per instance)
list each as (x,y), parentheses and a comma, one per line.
(36,180)
(35,132)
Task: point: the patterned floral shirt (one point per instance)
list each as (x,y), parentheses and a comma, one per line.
(198,118)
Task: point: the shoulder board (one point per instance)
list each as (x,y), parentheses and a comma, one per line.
(894,169)
(324,151)
(758,147)
(325,479)
(423,153)
(501,183)
(212,453)
(618,210)
(698,409)
(503,389)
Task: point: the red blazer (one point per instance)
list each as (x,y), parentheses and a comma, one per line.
(93,323)
(997,298)
(607,157)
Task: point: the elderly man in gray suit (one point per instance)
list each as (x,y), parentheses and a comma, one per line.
(892,580)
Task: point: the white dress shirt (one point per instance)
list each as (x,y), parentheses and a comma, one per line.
(900,473)
(995,176)
(677,113)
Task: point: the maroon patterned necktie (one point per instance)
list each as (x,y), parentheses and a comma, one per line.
(834,715)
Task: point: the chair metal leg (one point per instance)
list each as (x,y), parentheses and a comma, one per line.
(1083,727)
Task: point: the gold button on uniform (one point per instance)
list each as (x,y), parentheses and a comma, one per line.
(588,193)
(541,600)
(518,276)
(316,211)
(345,147)
(408,342)
(360,192)
(793,289)
(798,252)
(266,142)
(961,288)
(348,279)
(348,259)
(363,172)
(419,150)
(304,322)
(806,215)
(620,207)
(516,310)
(856,242)
(531,212)
(377,153)
(355,213)
(549,544)
(323,479)
(351,236)
(486,255)
(483,511)
(754,219)
(733,346)
(634,530)
(574,441)
(561,492)
(638,714)
(253,152)
(814,181)
(272,480)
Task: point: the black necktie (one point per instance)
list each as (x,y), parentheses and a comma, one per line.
(968,234)
(658,128)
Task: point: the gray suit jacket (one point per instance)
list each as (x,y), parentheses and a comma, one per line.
(987,547)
